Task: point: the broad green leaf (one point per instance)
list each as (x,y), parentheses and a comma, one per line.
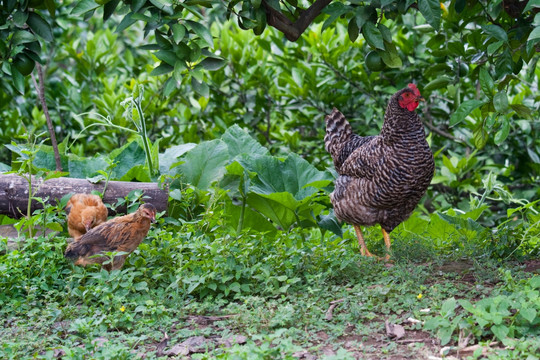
(205,164)
(84,6)
(200,87)
(128,157)
(240,142)
(21,37)
(171,156)
(373,35)
(480,137)
(437,83)
(530,5)
(212,64)
(522,110)
(40,26)
(138,173)
(277,207)
(500,101)
(365,14)
(504,65)
(179,31)
(83,168)
(163,5)
(464,110)
(18,79)
(19,18)
(431,10)
(109,8)
(331,223)
(126,22)
(252,219)
(448,306)
(385,32)
(500,331)
(335,10)
(202,31)
(166,56)
(535,34)
(486,82)
(528,314)
(391,57)
(496,32)
(162,69)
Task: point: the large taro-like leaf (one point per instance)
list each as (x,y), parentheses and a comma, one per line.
(240,142)
(284,191)
(294,175)
(205,164)
(82,168)
(127,157)
(251,220)
(171,155)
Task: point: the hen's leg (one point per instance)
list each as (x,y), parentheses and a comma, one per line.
(387,243)
(363,248)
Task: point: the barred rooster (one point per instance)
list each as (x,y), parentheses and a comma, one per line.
(381,178)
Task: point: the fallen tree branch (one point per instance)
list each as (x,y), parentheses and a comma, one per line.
(14,193)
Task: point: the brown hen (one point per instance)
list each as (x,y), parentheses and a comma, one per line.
(85,212)
(381,178)
(123,234)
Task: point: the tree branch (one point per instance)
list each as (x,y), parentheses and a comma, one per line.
(293,31)
(41,94)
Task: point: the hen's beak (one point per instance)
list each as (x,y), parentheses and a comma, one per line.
(153,219)
(420,98)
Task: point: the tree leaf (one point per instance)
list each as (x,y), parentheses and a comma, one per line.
(200,87)
(84,6)
(163,68)
(205,163)
(504,65)
(500,101)
(179,31)
(18,79)
(202,32)
(480,136)
(486,82)
(391,57)
(464,110)
(522,110)
(437,83)
(431,10)
(40,26)
(212,64)
(109,8)
(502,134)
(22,37)
(535,34)
(335,10)
(163,5)
(373,36)
(352,30)
(496,32)
(172,155)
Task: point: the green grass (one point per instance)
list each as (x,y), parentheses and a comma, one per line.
(272,293)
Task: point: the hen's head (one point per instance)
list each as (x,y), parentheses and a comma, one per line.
(88,218)
(409,98)
(148,211)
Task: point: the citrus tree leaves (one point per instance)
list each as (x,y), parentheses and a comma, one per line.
(431,10)
(464,110)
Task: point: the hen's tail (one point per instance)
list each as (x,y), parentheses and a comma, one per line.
(338,130)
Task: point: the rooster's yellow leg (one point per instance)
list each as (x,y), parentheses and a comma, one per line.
(387,243)
(363,248)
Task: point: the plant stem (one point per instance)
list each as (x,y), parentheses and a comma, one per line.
(241,220)
(143,136)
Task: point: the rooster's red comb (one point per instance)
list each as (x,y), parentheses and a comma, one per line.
(414,89)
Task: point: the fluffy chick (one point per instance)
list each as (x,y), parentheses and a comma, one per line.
(85,212)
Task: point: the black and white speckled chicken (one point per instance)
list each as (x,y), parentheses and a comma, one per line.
(381,178)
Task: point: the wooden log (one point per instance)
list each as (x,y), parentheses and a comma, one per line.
(14,193)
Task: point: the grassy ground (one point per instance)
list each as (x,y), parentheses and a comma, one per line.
(192,295)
